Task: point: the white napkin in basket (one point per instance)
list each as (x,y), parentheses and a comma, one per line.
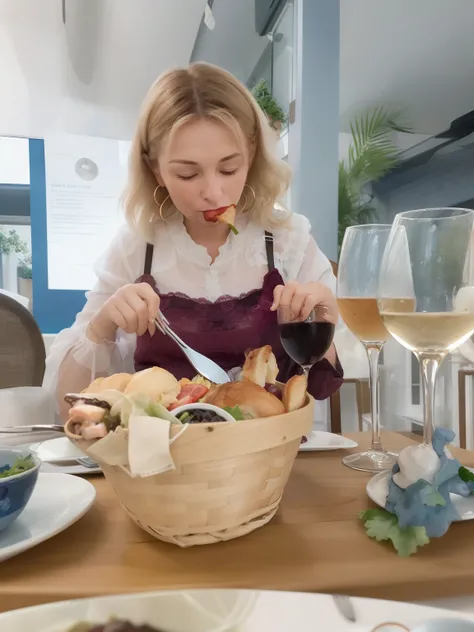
(149,446)
(112,449)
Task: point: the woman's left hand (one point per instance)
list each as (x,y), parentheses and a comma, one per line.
(302,298)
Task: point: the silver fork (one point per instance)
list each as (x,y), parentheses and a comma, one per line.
(85,461)
(204,366)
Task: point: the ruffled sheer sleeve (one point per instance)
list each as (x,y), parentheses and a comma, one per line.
(121,264)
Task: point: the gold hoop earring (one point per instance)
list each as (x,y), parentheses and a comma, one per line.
(154,194)
(254,199)
(161,207)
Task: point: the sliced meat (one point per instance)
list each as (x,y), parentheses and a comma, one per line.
(96,431)
(87,412)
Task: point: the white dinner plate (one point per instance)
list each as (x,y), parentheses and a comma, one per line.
(212,610)
(320,440)
(59,450)
(58,501)
(59,457)
(377,490)
(69,468)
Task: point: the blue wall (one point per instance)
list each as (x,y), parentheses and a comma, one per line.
(53,309)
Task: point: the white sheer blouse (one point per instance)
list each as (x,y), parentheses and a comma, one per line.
(182,266)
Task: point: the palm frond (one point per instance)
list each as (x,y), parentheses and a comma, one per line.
(372,154)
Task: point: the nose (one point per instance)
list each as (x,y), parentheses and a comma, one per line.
(212,191)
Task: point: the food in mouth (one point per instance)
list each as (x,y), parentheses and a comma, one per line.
(225,214)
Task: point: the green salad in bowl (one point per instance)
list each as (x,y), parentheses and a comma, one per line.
(18,477)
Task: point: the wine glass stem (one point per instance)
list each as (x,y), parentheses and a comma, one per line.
(306,369)
(373,354)
(429,370)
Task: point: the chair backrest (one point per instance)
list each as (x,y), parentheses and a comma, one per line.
(22,352)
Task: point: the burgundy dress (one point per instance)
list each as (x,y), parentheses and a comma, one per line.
(223,330)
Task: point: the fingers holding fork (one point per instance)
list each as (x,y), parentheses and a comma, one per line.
(160,322)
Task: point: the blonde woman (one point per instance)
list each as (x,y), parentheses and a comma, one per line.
(202,143)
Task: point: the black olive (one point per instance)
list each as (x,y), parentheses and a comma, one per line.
(204,416)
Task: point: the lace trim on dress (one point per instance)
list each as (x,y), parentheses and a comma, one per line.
(148,278)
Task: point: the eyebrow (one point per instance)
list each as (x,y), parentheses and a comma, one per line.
(192,162)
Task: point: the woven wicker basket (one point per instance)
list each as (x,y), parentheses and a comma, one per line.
(228,481)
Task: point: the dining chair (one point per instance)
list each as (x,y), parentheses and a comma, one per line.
(463,373)
(22,352)
(361,390)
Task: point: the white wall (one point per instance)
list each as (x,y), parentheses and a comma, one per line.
(414,55)
(14,161)
(90,76)
(233,44)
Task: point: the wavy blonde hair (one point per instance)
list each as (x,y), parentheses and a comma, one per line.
(203,91)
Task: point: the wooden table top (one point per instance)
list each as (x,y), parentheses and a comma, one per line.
(315,543)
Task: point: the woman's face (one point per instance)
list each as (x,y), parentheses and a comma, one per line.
(204,167)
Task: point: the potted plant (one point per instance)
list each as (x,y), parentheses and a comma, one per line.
(263,96)
(25,277)
(372,154)
(11,245)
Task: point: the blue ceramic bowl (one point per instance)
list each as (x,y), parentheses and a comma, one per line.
(15,491)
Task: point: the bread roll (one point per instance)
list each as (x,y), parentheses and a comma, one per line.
(116,382)
(253,400)
(160,385)
(294,393)
(94,387)
(260,366)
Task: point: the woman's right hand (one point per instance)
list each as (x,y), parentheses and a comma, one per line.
(132,308)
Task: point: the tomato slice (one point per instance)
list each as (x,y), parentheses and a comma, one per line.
(181,402)
(189,394)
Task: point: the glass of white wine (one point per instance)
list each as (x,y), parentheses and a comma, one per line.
(357,283)
(429,258)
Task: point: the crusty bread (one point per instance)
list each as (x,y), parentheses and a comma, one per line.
(294,393)
(160,385)
(260,366)
(94,387)
(116,382)
(253,400)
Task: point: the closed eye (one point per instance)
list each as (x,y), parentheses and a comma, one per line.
(224,173)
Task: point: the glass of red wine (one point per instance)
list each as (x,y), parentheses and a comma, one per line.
(306,341)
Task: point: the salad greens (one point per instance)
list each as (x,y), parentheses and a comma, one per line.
(382,525)
(20,465)
(137,404)
(466,475)
(236,412)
